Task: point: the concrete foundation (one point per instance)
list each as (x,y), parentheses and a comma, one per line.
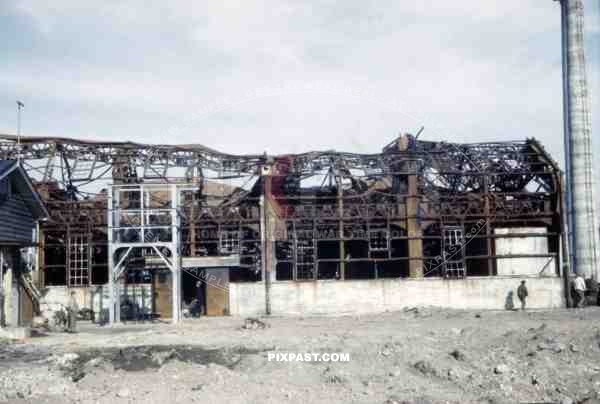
(375,296)
(348,297)
(96,298)
(15,333)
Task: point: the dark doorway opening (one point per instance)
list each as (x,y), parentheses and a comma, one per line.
(193,291)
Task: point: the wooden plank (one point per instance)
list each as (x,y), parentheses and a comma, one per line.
(162,282)
(26,309)
(217,292)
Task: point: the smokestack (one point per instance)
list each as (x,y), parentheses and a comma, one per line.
(581,207)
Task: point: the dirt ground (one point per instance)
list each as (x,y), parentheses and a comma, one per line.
(422,355)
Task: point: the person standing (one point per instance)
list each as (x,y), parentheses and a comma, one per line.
(72,311)
(579,286)
(522,294)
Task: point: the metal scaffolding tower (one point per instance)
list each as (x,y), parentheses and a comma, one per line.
(137,222)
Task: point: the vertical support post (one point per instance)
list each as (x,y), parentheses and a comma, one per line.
(415,240)
(39,257)
(90,255)
(176,301)
(268,220)
(111,259)
(116,279)
(295,249)
(488,229)
(176,259)
(269,254)
(340,199)
(261,214)
(142,214)
(117,289)
(314,250)
(191,222)
(263,252)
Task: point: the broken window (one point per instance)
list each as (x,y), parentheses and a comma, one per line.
(378,240)
(454,250)
(244,274)
(476,245)
(99,255)
(229,241)
(129,199)
(206,239)
(284,253)
(432,251)
(360,270)
(305,259)
(55,267)
(79,260)
(393,269)
(328,270)
(356,249)
(284,271)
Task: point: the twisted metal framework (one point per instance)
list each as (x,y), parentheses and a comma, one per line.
(368,215)
(79,161)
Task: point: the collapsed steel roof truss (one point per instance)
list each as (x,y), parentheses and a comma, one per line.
(443,167)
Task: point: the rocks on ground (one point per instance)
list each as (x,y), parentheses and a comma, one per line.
(254,324)
(501,369)
(426,368)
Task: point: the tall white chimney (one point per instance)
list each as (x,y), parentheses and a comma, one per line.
(581,207)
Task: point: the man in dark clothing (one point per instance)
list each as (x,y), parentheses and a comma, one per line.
(522,294)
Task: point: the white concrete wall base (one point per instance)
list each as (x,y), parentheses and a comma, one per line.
(15,333)
(95,298)
(376,296)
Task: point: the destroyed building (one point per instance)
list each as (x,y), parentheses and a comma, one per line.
(420,223)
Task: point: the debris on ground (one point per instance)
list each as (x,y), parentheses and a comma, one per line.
(458,355)
(501,369)
(254,324)
(447,356)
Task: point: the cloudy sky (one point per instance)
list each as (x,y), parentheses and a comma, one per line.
(287,76)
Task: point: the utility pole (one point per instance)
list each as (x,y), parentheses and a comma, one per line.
(20,106)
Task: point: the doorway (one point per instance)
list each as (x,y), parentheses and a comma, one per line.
(205,291)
